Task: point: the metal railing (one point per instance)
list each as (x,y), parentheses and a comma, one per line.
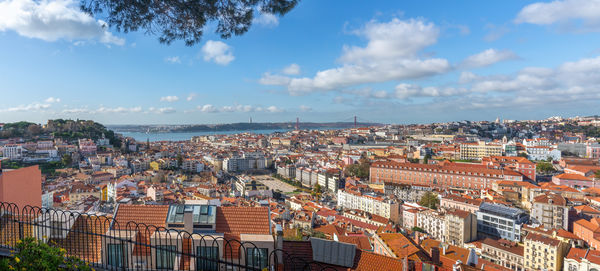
(106,244)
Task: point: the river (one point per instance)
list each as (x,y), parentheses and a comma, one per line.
(139,136)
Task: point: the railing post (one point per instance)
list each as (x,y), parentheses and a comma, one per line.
(21,232)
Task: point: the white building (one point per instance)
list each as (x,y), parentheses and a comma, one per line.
(543,153)
(12,151)
(433,223)
(370,203)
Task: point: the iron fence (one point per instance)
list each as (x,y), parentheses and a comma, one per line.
(107,244)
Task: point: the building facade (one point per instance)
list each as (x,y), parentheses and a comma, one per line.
(501,221)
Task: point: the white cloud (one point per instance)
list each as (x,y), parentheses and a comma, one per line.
(76,111)
(466,77)
(166,110)
(305,108)
(267,19)
(404,91)
(173,60)
(274,79)
(29,107)
(53,20)
(120,109)
(191,96)
(392,53)
(209,108)
(218,52)
(169,99)
(52,100)
(542,13)
(292,69)
(274,109)
(487,58)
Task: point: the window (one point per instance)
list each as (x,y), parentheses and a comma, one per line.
(115,255)
(165,256)
(207,258)
(257,257)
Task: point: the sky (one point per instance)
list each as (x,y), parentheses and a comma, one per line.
(325,61)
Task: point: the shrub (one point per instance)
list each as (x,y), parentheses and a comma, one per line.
(32,254)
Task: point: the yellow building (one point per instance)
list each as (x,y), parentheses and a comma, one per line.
(479,150)
(543,253)
(156,165)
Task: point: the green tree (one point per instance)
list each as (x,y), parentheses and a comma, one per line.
(426,158)
(544,167)
(67,160)
(415,228)
(183,19)
(179,160)
(429,200)
(523,154)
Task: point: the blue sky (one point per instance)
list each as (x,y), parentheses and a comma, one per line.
(384,61)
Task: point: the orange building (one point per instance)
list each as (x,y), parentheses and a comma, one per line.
(588,231)
(21,186)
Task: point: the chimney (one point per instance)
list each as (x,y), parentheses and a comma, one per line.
(435,255)
(188,222)
(444,248)
(279,242)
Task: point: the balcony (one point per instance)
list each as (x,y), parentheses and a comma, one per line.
(142,247)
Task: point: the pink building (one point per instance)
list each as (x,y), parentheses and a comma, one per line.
(573,180)
(592,151)
(21,186)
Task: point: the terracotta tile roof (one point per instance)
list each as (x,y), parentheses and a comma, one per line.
(361,242)
(572,176)
(155,215)
(330,229)
(453,253)
(566,234)
(546,198)
(586,209)
(542,239)
(503,245)
(299,253)
(459,213)
(483,264)
(237,220)
(397,242)
(82,240)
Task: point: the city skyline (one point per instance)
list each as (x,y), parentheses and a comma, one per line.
(385,62)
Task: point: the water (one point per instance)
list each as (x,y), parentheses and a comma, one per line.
(139,136)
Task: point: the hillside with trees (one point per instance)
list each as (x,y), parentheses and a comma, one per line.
(59,128)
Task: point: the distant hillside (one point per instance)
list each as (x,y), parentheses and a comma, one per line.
(243,126)
(60,128)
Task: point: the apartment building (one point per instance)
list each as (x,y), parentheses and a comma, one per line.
(579,259)
(543,253)
(433,223)
(516,163)
(551,211)
(461,227)
(456,202)
(500,221)
(478,150)
(12,151)
(444,175)
(369,202)
(503,252)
